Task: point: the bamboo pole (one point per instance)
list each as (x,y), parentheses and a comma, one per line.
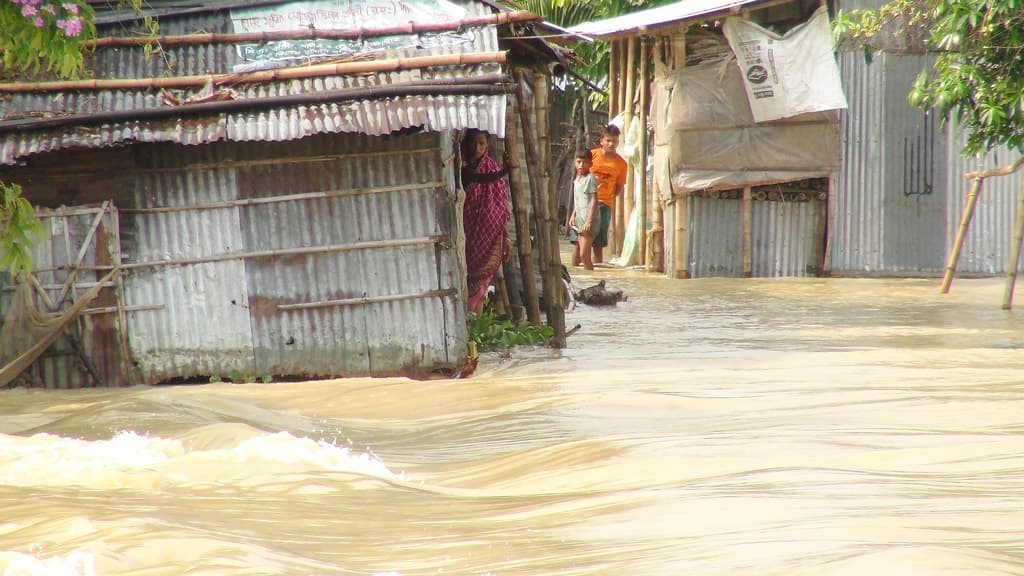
(958,241)
(288,198)
(821,229)
(748,237)
(613,80)
(680,245)
(311,33)
(446,293)
(624,210)
(292,73)
(641,208)
(550,272)
(423,241)
(555,300)
(1004,171)
(623,71)
(1014,261)
(656,240)
(522,221)
(501,303)
(248,104)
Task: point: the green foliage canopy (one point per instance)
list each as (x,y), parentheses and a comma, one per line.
(44,35)
(19,227)
(978,75)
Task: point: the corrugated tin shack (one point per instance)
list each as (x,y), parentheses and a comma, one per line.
(882,195)
(276,183)
(901,191)
(736,190)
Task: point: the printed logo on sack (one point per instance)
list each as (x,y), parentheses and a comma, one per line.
(757,74)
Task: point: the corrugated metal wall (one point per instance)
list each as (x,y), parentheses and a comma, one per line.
(914,204)
(716,237)
(784,237)
(987,244)
(901,190)
(856,209)
(324,256)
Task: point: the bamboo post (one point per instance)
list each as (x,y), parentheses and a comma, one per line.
(620,88)
(1011,266)
(613,80)
(655,242)
(615,228)
(820,230)
(525,245)
(553,284)
(681,259)
(958,242)
(349,68)
(501,303)
(748,237)
(312,33)
(641,207)
(624,209)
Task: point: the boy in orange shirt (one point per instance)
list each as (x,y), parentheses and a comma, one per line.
(610,170)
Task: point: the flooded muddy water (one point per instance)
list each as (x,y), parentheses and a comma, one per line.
(704,427)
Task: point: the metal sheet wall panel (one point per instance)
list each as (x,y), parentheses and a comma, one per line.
(203,327)
(398,192)
(785,239)
(716,237)
(914,219)
(856,210)
(987,243)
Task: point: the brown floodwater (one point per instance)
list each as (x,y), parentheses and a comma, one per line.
(704,427)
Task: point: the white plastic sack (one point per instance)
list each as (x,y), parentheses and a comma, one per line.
(790,74)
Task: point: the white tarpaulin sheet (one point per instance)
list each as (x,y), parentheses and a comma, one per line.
(706,137)
(790,74)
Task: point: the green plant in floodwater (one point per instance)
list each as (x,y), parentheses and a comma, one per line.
(488,332)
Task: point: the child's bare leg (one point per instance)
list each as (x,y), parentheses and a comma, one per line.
(598,254)
(584,247)
(576,252)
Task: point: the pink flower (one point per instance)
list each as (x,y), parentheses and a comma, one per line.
(38,22)
(29,11)
(72,26)
(49,9)
(71,7)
